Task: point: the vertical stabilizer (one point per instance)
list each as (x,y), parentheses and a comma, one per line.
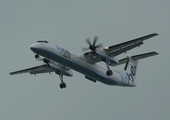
(130,68)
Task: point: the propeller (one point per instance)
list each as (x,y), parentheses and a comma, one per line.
(93,46)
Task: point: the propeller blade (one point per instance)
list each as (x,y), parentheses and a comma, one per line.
(95,40)
(99,45)
(93,46)
(88,41)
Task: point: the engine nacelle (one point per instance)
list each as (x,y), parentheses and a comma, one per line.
(59,69)
(105,58)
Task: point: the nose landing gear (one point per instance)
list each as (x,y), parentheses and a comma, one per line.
(36,55)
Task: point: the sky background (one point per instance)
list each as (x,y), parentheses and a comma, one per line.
(68,23)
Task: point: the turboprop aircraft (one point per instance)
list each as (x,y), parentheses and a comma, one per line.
(62,62)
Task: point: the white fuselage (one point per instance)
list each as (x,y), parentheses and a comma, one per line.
(78,63)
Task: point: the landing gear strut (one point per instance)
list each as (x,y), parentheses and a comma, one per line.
(109,72)
(62,84)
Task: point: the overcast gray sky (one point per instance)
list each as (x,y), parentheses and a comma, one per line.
(68,23)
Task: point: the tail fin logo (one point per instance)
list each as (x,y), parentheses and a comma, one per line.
(132,73)
(133,70)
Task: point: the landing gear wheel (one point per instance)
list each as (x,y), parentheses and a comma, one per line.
(62,85)
(109,72)
(37,56)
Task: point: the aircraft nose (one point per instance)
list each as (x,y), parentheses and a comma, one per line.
(33,47)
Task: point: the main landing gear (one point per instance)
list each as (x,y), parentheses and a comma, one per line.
(62,84)
(109,72)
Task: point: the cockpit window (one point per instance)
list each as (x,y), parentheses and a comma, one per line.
(42,41)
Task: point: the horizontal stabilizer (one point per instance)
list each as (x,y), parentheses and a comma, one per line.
(145,55)
(137,57)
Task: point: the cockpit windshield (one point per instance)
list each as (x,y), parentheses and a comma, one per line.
(42,41)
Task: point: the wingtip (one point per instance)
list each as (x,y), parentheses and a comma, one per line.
(157,53)
(155,33)
(10,73)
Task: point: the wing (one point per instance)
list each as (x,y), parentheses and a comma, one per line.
(125,46)
(137,57)
(34,70)
(119,48)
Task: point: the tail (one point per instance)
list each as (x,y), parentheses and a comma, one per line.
(130,68)
(131,64)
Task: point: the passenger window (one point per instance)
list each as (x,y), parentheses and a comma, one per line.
(40,41)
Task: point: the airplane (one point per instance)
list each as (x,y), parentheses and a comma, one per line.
(62,62)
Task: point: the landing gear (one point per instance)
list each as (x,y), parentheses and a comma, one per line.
(62,84)
(109,72)
(36,55)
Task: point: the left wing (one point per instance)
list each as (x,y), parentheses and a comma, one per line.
(34,70)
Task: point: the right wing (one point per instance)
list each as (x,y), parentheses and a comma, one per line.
(34,70)
(125,46)
(118,49)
